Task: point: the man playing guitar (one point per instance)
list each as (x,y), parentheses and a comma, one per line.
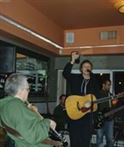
(81,85)
(105,128)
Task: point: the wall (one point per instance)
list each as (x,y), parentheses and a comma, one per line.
(91,38)
(99,62)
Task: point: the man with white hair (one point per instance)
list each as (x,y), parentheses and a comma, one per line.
(24,126)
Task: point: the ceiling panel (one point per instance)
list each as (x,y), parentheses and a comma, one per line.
(74,14)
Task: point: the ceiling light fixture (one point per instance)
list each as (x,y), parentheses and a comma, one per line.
(119,5)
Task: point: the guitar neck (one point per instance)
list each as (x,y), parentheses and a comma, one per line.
(113,111)
(101,100)
(105,99)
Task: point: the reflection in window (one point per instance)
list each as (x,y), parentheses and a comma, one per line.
(36,71)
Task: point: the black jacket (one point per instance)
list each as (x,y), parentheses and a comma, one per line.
(75,81)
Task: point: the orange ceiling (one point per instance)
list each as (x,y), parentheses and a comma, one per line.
(74,14)
(67,14)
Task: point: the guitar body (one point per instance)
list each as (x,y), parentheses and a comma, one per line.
(78,106)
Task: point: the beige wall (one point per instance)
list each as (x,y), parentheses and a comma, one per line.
(91,37)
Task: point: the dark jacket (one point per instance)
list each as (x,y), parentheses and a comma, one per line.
(60,117)
(106,106)
(75,81)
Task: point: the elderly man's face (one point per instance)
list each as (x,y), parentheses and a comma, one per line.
(26,91)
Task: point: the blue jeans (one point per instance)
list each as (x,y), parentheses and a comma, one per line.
(106,130)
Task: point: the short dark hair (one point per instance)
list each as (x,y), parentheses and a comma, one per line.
(62,96)
(106,80)
(86,61)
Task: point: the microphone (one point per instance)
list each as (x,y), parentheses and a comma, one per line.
(88,70)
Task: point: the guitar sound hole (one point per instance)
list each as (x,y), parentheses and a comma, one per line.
(84,109)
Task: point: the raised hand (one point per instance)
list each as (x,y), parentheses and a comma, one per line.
(74,55)
(52,124)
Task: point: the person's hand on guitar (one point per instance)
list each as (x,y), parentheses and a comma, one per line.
(60,142)
(57,144)
(74,56)
(114,102)
(52,142)
(32,107)
(52,124)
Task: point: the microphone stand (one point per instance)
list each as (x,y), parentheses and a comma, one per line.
(92,112)
(92,119)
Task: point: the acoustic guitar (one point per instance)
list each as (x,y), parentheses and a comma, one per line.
(78,106)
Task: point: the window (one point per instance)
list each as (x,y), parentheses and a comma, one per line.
(36,71)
